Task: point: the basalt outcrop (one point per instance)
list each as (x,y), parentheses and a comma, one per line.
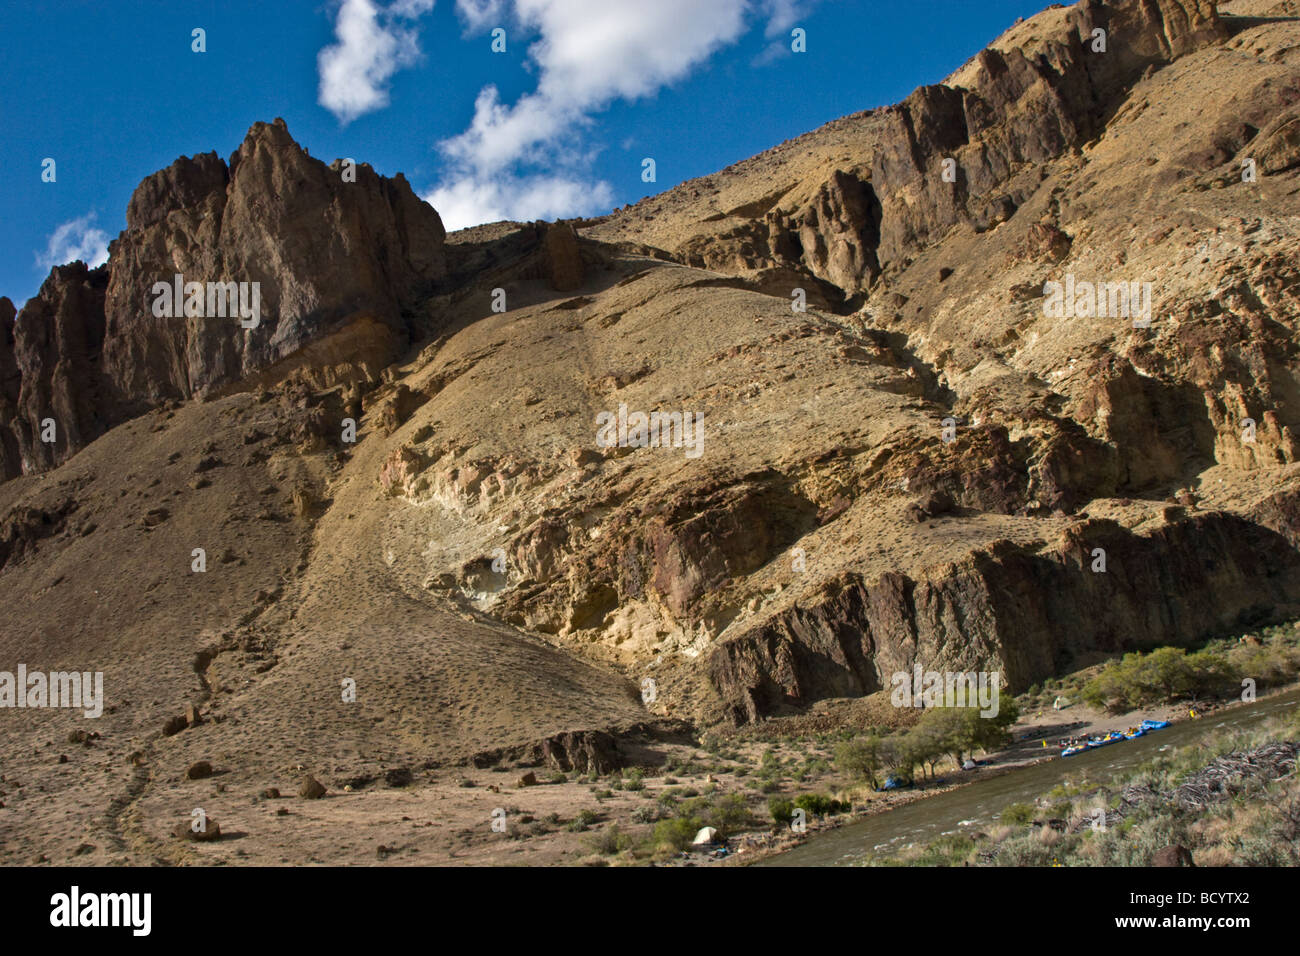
(1091,592)
(937,222)
(966,151)
(52,388)
(326,246)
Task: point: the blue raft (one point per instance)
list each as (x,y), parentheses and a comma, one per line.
(1103,740)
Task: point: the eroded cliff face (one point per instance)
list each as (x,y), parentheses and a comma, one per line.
(1025,613)
(923,467)
(327,246)
(939,223)
(851,214)
(10,386)
(926,466)
(53,383)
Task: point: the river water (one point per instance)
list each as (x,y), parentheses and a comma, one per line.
(978,805)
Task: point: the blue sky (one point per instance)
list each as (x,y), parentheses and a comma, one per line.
(557,125)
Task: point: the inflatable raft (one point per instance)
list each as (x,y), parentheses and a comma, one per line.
(1102,740)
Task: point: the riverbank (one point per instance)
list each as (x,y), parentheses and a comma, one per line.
(648,814)
(1231,799)
(1026,750)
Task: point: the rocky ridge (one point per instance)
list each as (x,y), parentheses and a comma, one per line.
(923,467)
(327,253)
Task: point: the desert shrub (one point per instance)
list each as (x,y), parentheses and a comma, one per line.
(1259,849)
(860,759)
(583,820)
(610,841)
(818,804)
(676,833)
(1135,845)
(951,850)
(1018,814)
(646,814)
(727,814)
(781,809)
(1170,673)
(1024,850)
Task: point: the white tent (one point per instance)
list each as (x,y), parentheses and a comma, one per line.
(705,837)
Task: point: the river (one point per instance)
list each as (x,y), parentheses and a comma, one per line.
(978,805)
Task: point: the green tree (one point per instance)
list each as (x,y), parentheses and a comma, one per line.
(1164,674)
(861,758)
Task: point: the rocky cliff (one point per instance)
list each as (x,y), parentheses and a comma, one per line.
(327,246)
(933,227)
(1032,97)
(929,464)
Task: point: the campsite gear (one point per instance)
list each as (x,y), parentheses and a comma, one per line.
(706,837)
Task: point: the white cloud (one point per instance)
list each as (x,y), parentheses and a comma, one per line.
(470,200)
(479,14)
(374,42)
(74,240)
(592,51)
(527,160)
(782,16)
